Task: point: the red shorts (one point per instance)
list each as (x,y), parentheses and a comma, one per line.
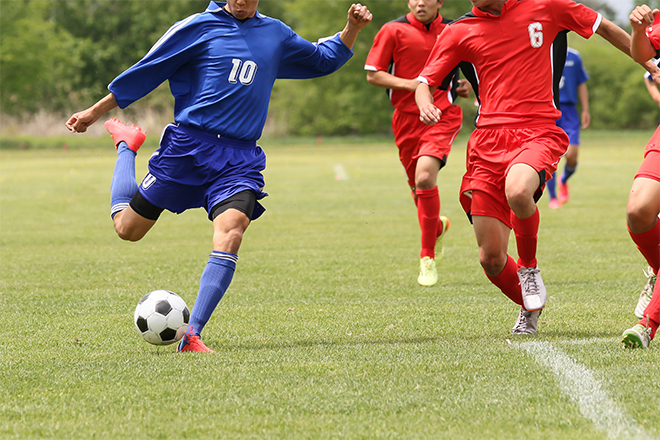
(492,152)
(416,139)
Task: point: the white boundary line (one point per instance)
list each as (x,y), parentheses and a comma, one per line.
(579,384)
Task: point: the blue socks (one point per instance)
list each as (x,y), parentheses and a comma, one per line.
(551,185)
(215,280)
(568,172)
(123,186)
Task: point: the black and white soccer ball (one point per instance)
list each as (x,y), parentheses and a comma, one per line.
(161,317)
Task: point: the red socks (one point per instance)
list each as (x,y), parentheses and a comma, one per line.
(526,231)
(648,244)
(507,281)
(653,311)
(428,213)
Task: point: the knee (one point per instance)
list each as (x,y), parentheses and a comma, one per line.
(228,241)
(425,180)
(641,217)
(127,234)
(492,262)
(518,197)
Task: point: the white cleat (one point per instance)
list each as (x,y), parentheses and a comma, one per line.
(526,323)
(533,291)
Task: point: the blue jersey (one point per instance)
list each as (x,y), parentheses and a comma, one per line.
(574,74)
(221,70)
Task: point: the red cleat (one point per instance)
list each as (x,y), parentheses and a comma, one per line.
(133,135)
(192,342)
(563,192)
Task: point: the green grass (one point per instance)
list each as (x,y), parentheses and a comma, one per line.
(323,332)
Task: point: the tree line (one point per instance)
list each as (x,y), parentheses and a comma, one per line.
(59,56)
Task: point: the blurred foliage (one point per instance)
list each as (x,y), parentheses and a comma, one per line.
(59,56)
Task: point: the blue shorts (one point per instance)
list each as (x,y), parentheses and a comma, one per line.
(194,169)
(570,122)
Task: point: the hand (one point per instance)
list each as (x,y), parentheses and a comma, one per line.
(429,114)
(642,17)
(464,89)
(586,120)
(79,122)
(359,15)
(655,76)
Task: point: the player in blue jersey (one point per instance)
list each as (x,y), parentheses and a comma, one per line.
(221,65)
(572,89)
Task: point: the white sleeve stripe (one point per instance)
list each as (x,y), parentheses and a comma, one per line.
(370,68)
(171,31)
(323,40)
(599,20)
(423,80)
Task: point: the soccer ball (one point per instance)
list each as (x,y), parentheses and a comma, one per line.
(161,317)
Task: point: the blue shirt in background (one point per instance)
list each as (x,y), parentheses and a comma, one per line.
(574,74)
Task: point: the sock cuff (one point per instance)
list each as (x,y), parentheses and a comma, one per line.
(426,192)
(526,226)
(647,236)
(223,258)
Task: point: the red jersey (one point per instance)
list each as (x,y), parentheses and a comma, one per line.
(402,47)
(517,58)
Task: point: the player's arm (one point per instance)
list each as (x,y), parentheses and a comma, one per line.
(583,96)
(358,17)
(622,41)
(386,80)
(653,90)
(79,122)
(428,113)
(641,48)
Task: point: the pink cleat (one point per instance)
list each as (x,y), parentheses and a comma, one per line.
(563,192)
(134,136)
(554,204)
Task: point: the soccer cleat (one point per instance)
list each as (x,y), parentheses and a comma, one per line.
(563,192)
(647,293)
(533,291)
(554,204)
(134,136)
(439,250)
(428,274)
(637,336)
(192,342)
(526,323)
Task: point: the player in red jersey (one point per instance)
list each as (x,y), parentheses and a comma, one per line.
(644,200)
(396,58)
(517,50)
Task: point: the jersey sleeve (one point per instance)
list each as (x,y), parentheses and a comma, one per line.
(442,61)
(653,32)
(169,53)
(381,53)
(302,59)
(576,17)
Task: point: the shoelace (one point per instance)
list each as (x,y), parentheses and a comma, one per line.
(529,282)
(652,278)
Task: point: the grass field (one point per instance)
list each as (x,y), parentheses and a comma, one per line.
(324,332)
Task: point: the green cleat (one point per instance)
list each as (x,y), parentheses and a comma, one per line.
(428,274)
(439,251)
(637,336)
